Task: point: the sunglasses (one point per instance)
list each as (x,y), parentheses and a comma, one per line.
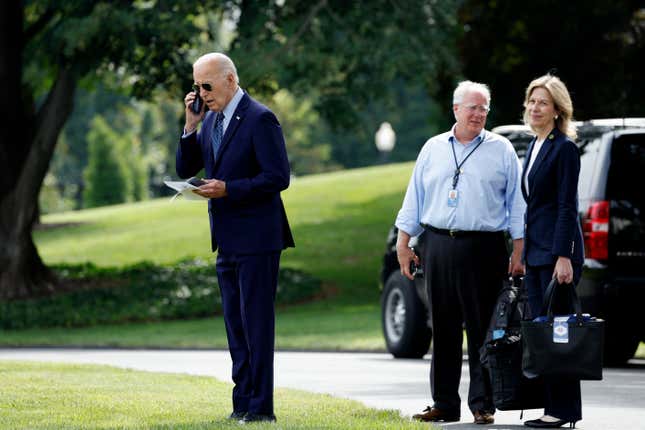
(206,87)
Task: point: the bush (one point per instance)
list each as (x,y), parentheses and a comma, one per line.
(141,292)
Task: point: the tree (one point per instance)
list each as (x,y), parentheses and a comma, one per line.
(348,53)
(48,49)
(105,176)
(71,155)
(594,46)
(304,134)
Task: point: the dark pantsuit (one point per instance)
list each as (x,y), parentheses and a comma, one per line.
(464,276)
(562,395)
(248,286)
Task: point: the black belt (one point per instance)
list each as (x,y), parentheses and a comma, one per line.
(458,233)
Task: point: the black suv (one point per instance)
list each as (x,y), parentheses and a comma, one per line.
(611,192)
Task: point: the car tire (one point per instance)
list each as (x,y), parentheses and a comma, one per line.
(404,318)
(620,343)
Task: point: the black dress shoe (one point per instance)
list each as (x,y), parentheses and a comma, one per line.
(482,417)
(237,415)
(253,418)
(539,423)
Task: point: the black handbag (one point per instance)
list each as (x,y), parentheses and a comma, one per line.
(574,350)
(501,353)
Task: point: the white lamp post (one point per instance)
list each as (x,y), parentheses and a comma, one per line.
(385,138)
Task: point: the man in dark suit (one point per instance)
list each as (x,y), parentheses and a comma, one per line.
(241,147)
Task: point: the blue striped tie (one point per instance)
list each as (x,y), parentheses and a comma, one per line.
(216,136)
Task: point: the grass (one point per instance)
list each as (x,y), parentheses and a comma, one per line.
(43,396)
(340,222)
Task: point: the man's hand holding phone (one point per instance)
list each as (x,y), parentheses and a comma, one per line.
(194,110)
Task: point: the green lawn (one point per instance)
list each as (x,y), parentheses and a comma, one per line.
(340,221)
(39,396)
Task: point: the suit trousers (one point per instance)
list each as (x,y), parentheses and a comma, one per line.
(464,275)
(562,395)
(248,286)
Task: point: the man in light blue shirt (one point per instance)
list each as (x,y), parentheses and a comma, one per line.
(465,193)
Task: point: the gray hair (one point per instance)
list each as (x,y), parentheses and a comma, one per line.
(465,87)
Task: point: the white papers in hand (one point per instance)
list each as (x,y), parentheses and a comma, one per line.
(184,189)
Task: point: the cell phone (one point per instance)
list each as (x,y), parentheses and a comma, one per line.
(196,182)
(196,107)
(413,268)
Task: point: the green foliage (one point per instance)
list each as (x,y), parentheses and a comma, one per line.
(106,178)
(345,54)
(136,166)
(52,196)
(304,132)
(595,46)
(141,292)
(117,170)
(148,133)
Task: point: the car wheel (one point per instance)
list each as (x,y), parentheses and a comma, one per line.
(620,344)
(404,319)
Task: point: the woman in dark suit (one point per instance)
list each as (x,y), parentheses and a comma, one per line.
(553,244)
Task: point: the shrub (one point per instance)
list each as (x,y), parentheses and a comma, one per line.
(141,292)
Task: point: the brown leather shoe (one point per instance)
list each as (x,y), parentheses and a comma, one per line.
(434,414)
(482,417)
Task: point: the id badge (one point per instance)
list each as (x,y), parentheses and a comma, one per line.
(453,198)
(561,330)
(499,333)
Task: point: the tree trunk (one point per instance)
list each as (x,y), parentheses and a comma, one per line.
(24,161)
(23,272)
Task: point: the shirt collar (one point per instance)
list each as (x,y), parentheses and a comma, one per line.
(229,110)
(477,139)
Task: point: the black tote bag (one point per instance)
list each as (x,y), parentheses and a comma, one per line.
(580,357)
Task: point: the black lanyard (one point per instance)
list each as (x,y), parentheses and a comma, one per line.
(455,178)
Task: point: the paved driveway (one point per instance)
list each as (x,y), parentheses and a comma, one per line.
(377,380)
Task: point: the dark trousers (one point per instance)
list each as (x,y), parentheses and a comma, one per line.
(562,395)
(463,276)
(248,285)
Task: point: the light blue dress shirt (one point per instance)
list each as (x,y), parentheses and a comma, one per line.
(490,197)
(229,110)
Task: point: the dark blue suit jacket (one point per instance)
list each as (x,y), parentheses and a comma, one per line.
(252,160)
(552,227)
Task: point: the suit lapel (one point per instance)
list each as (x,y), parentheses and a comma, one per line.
(546,148)
(234,123)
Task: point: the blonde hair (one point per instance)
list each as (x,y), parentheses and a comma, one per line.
(561,101)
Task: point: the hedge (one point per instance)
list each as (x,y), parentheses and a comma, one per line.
(141,292)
